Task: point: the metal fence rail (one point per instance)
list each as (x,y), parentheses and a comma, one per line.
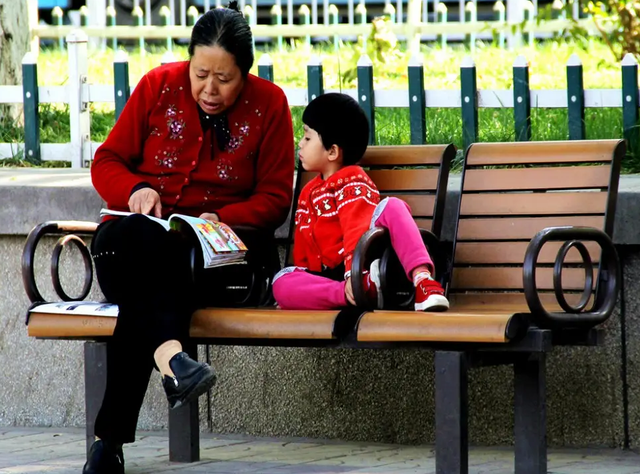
(79,93)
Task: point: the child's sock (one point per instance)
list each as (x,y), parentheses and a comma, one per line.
(418,277)
(163,355)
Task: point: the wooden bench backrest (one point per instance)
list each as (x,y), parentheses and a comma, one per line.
(417,174)
(511,191)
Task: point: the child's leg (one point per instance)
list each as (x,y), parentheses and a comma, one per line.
(395,215)
(294,288)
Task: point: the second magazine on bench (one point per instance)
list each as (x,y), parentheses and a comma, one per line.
(219,243)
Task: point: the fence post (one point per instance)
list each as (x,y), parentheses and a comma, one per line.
(265,67)
(391,11)
(249,14)
(413,25)
(499,16)
(521,99)
(630,101)
(84,16)
(32,13)
(575,98)
(361,10)
(529,24)
(441,18)
(165,13)
(80,122)
(471,16)
(121,87)
(111,21)
(315,78)
(276,19)
(557,10)
(138,14)
(305,13)
(417,101)
(57,17)
(333,12)
(30,96)
(469,101)
(365,93)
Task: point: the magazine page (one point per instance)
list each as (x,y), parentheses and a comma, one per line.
(109,212)
(216,249)
(78,308)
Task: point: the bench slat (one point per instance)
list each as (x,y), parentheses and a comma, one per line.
(68,326)
(452,326)
(510,302)
(542,152)
(262,323)
(420,204)
(533,204)
(485,253)
(403,155)
(405,180)
(510,278)
(511,228)
(570,177)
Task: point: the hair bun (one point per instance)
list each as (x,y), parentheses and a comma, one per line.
(233,5)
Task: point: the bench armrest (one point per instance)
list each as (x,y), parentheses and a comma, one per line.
(376,243)
(607,285)
(69,231)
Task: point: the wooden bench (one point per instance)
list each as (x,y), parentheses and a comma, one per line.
(417,174)
(523,206)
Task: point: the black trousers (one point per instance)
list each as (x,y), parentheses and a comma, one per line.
(147,272)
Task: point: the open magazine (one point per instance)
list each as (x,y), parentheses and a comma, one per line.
(220,245)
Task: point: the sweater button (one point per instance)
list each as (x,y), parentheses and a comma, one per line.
(193,163)
(186,180)
(177,197)
(199,139)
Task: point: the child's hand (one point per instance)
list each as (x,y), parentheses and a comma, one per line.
(348,291)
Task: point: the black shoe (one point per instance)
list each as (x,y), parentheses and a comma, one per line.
(104,459)
(192,379)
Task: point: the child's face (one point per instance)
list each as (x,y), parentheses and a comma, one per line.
(313,155)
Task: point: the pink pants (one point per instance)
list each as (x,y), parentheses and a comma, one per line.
(294,288)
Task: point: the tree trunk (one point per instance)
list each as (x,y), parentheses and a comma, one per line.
(14,43)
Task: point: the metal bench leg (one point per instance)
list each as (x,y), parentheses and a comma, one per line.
(184,426)
(531,415)
(95,383)
(452,435)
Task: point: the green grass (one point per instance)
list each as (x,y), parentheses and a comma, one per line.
(494,71)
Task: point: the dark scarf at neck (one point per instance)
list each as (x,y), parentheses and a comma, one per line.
(220,125)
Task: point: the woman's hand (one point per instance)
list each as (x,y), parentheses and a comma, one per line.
(210,216)
(348,291)
(146,201)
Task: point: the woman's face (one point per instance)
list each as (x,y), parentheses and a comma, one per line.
(216,80)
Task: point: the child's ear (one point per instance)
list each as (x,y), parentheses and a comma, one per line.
(335,153)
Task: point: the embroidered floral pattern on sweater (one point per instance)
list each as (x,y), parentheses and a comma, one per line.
(167,159)
(172,111)
(225,170)
(236,141)
(176,127)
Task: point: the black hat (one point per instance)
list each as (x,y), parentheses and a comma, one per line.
(340,121)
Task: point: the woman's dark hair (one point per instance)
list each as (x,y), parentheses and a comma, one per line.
(227,28)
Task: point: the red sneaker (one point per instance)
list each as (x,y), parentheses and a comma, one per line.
(430,296)
(372,284)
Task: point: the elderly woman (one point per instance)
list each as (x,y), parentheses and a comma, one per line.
(204,138)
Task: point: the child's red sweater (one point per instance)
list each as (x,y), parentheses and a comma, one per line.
(331,217)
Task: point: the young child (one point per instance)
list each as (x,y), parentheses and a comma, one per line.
(336,208)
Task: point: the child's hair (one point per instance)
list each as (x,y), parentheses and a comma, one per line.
(339,120)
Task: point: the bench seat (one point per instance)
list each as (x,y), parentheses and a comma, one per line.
(490,326)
